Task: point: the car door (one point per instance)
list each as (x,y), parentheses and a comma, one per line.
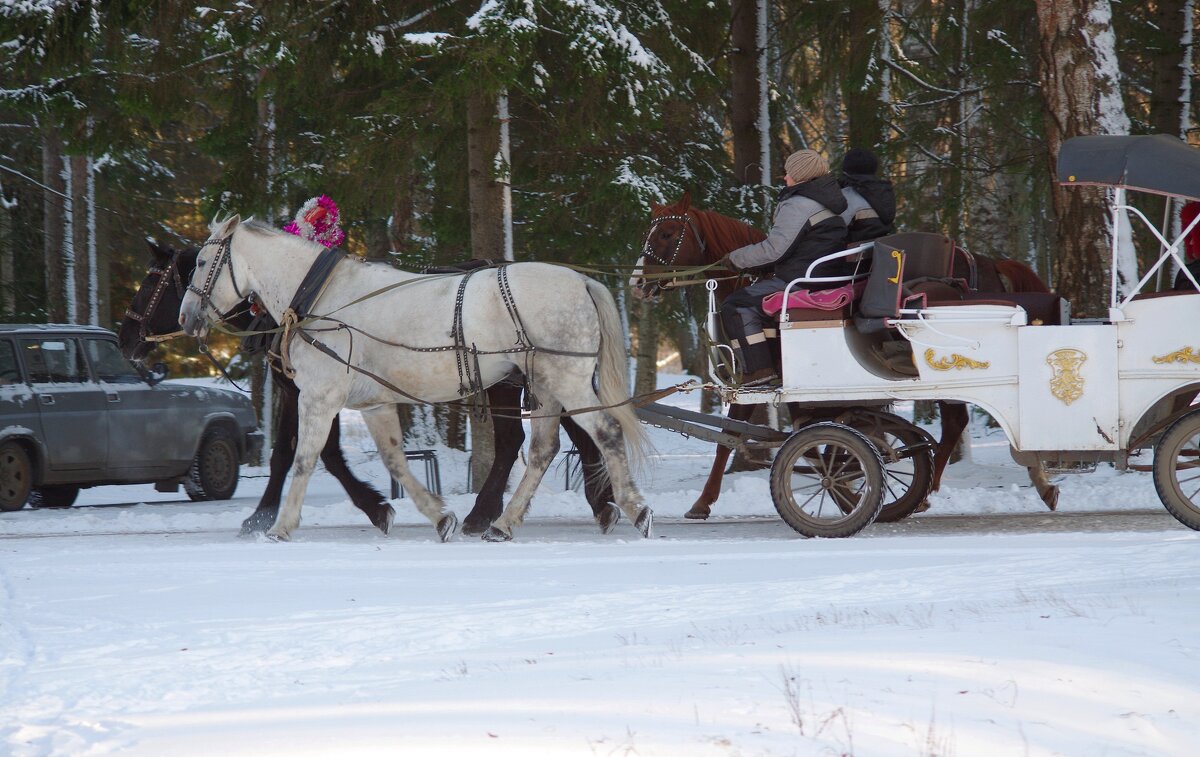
(71,405)
(18,407)
(144,431)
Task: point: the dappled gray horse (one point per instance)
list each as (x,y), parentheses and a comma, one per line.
(381,336)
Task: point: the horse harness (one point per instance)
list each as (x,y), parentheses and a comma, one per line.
(169,272)
(470,378)
(688,223)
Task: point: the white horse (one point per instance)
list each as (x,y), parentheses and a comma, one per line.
(381,334)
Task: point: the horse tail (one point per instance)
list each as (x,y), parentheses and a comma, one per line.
(1023,278)
(614,374)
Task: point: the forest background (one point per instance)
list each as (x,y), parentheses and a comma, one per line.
(546,129)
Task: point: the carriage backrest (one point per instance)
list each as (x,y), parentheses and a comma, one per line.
(885,286)
(926,255)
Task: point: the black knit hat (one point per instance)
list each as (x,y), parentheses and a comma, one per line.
(858,160)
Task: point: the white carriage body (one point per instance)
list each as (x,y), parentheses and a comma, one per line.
(1079,387)
(1088,386)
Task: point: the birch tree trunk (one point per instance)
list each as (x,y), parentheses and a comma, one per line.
(487,197)
(8,297)
(52,225)
(1081,95)
(80,244)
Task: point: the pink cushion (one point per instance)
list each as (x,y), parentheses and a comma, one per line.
(821,299)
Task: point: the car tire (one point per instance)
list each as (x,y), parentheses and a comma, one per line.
(53,496)
(214,471)
(16,476)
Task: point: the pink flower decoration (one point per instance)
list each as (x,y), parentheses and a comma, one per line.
(317,221)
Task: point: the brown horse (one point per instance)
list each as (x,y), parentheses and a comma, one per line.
(681,236)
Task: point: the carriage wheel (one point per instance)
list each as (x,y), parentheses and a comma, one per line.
(1177,470)
(827,481)
(907,454)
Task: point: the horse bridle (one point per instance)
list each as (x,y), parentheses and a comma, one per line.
(224,247)
(688,223)
(160,286)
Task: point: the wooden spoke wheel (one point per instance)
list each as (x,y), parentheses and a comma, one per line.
(827,481)
(1177,470)
(907,454)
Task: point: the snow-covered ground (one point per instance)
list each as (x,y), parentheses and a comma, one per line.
(152,629)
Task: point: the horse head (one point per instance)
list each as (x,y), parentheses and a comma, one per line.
(213,291)
(154,310)
(672,242)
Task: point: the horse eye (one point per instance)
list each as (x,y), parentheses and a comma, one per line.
(201,263)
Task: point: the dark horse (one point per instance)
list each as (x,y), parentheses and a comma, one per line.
(681,236)
(154,313)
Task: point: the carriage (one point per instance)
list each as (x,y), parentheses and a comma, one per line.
(1062,389)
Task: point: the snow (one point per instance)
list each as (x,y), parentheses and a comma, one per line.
(152,628)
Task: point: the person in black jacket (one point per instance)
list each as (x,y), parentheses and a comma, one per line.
(870,201)
(806,226)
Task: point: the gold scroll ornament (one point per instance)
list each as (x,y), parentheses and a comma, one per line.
(1181,355)
(954,361)
(1066,384)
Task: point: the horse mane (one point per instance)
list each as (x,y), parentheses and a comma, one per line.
(1023,278)
(721,233)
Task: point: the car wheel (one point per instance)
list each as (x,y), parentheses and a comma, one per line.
(214,471)
(16,476)
(53,496)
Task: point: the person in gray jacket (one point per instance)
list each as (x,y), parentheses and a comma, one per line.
(806,226)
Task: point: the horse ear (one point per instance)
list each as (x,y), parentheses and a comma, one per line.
(222,229)
(685,202)
(156,251)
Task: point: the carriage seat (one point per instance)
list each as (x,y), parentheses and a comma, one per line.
(1041,308)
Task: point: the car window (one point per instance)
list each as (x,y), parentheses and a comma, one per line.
(108,363)
(8,364)
(53,361)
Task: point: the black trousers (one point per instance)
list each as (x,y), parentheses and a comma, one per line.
(748,328)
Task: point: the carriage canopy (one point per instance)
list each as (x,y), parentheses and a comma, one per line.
(1158,163)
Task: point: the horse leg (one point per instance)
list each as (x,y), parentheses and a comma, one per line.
(315,414)
(504,402)
(282,453)
(606,432)
(384,424)
(596,486)
(954,422)
(702,507)
(1041,481)
(364,496)
(543,446)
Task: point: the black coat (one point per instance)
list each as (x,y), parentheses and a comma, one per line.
(881,196)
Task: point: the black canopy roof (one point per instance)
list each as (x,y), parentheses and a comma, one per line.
(1158,163)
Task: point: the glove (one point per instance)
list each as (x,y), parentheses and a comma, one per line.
(727,262)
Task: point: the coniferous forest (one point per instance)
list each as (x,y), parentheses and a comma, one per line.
(545,129)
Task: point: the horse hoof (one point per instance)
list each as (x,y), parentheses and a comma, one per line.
(608,517)
(645,522)
(1050,497)
(383,521)
(495,534)
(446,526)
(698,512)
(259,521)
(278,536)
(476,524)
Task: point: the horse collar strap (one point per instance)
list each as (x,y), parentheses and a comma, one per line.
(314,282)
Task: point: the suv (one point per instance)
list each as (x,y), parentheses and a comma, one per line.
(75,413)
